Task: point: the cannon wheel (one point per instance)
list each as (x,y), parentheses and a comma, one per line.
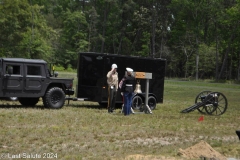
(198,99)
(216,103)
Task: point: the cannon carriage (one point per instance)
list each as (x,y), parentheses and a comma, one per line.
(208,102)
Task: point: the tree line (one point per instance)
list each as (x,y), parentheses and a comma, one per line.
(198,38)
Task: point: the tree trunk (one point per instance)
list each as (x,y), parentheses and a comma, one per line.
(226,56)
(238,75)
(122,31)
(216,74)
(135,40)
(120,43)
(230,69)
(89,36)
(186,67)
(153,31)
(197,59)
(104,27)
(217,55)
(161,52)
(224,63)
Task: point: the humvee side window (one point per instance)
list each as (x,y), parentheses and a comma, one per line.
(16,69)
(34,70)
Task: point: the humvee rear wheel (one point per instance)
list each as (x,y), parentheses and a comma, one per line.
(54,98)
(28,101)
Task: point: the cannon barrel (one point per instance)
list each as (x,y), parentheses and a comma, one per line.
(212,103)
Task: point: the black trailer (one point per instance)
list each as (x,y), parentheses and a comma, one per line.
(93,68)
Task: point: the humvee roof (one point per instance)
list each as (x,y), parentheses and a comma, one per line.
(24,60)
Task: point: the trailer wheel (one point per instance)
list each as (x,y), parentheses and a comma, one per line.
(28,101)
(54,98)
(137,102)
(152,102)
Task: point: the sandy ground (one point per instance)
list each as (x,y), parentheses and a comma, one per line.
(201,150)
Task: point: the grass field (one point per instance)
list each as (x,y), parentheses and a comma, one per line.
(84,130)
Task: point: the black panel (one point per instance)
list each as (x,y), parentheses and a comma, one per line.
(93,68)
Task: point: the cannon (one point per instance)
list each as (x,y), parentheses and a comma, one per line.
(211,103)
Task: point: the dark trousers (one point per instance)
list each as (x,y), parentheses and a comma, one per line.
(127,103)
(111,98)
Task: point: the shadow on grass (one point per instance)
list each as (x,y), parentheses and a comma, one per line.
(92,105)
(74,104)
(14,106)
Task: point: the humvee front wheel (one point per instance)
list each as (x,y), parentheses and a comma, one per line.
(54,98)
(28,101)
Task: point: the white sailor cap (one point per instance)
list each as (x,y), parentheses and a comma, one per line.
(129,69)
(114,66)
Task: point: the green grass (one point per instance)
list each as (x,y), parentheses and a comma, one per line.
(84,130)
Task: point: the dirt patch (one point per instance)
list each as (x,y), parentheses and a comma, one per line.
(201,149)
(148,157)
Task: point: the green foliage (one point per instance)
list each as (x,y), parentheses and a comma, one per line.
(145,48)
(69,68)
(93,20)
(59,68)
(178,31)
(73,38)
(24,32)
(207,62)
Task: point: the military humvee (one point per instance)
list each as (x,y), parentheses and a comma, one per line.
(29,80)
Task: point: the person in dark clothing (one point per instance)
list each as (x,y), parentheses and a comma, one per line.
(127,89)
